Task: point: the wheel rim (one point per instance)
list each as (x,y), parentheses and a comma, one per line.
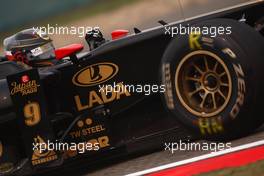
(203,83)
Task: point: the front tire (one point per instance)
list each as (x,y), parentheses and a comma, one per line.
(213,86)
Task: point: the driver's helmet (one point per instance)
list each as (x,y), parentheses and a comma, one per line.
(31,46)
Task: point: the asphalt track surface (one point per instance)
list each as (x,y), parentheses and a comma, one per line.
(143,161)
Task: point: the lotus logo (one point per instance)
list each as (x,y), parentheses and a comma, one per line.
(95,74)
(1,149)
(38,141)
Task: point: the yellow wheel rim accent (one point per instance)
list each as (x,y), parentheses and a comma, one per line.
(203,83)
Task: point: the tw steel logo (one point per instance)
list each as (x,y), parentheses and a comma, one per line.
(95,74)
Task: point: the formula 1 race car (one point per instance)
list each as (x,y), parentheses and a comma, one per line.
(135,92)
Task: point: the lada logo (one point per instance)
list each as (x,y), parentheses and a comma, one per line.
(95,74)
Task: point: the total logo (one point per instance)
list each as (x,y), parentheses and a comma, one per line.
(95,74)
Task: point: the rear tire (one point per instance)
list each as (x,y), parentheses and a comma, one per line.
(214,87)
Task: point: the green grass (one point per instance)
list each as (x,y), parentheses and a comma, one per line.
(255,169)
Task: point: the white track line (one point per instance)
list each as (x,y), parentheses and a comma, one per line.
(202,157)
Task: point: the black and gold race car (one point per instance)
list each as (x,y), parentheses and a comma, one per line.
(135,92)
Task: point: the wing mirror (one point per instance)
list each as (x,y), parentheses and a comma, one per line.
(69,51)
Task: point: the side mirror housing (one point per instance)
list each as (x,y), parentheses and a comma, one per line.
(68,51)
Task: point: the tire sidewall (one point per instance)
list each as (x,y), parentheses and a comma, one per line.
(223,122)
